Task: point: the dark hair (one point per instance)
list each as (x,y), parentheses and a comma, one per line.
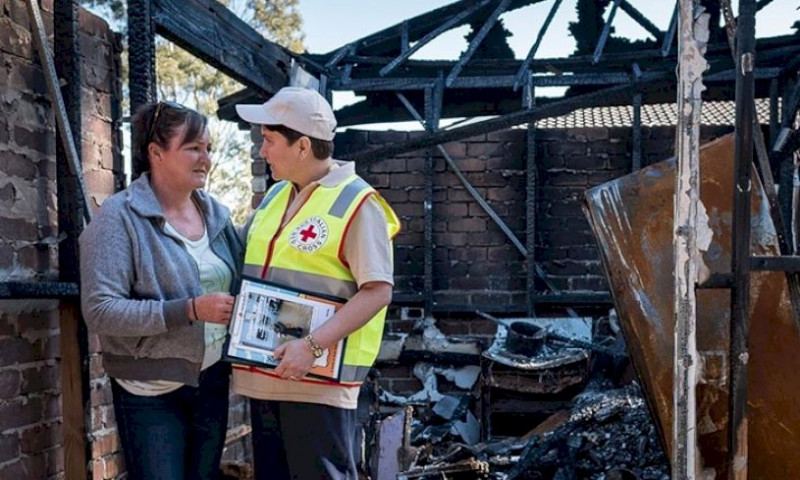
(322,149)
(159,122)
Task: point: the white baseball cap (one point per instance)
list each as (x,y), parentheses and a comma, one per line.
(300,109)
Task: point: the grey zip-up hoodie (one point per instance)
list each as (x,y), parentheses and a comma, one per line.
(136,280)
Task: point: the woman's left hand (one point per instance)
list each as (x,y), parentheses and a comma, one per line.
(296,359)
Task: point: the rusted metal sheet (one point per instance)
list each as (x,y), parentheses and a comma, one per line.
(632,220)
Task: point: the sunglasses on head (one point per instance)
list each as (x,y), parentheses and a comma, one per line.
(159,108)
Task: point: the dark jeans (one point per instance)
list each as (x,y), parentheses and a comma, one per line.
(302,441)
(178,435)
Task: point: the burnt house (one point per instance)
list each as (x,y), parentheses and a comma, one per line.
(493,210)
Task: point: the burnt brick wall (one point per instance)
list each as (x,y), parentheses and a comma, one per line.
(31,436)
(475,265)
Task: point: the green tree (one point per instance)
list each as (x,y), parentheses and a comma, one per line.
(184,78)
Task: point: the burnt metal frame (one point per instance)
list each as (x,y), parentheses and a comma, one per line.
(366,52)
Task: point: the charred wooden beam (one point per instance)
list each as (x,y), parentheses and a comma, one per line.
(73,209)
(765,168)
(669,36)
(637,16)
(210,31)
(523,69)
(450,23)
(531,189)
(601,42)
(141,53)
(740,254)
(387,41)
(475,43)
(636,157)
(648,59)
(786,263)
(141,67)
(41,290)
(561,107)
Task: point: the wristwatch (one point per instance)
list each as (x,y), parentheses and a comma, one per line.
(316,350)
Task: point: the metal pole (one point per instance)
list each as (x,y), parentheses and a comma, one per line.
(740,261)
(691,47)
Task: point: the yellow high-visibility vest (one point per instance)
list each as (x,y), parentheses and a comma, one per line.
(306,254)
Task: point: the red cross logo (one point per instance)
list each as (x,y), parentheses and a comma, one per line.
(307,233)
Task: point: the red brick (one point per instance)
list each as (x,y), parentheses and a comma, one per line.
(510,135)
(6,260)
(19,412)
(40,437)
(14,351)
(451,209)
(100,395)
(105,444)
(10,381)
(471,164)
(19,165)
(40,379)
(25,467)
(504,194)
(9,447)
(19,229)
(467,225)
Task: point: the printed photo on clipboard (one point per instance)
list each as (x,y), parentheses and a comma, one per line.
(267,315)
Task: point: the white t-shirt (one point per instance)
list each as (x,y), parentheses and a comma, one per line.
(215,276)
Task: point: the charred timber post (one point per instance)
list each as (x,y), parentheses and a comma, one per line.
(531,184)
(141,62)
(476,41)
(777,213)
(73,208)
(433,99)
(523,73)
(601,42)
(636,162)
(740,253)
(669,36)
(692,37)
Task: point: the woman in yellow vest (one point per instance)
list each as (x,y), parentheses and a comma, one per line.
(320,229)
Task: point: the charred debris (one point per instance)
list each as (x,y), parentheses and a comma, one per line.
(546,399)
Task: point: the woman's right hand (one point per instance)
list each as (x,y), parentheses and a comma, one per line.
(212,307)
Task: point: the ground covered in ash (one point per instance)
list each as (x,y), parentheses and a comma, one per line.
(609,435)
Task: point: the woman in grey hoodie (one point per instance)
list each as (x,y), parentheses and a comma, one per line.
(158,268)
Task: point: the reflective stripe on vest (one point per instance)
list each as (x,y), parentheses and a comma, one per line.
(318,268)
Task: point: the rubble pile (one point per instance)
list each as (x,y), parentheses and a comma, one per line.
(607,435)
(607,431)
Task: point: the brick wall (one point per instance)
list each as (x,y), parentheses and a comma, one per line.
(475,265)
(31,437)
